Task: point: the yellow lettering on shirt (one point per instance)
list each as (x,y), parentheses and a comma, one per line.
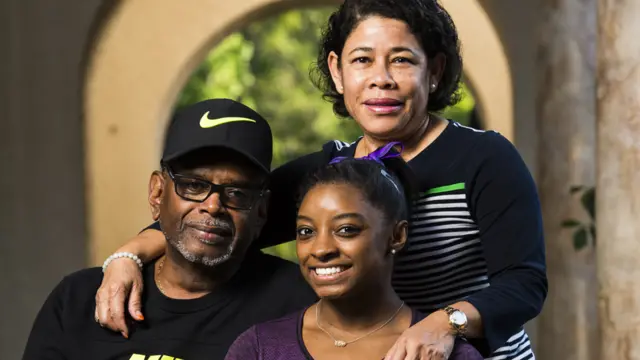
(152,357)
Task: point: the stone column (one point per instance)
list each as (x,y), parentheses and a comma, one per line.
(42,191)
(566,104)
(618,180)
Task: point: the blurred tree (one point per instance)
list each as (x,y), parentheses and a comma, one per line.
(266,66)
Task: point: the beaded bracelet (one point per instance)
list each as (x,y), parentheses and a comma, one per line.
(119,255)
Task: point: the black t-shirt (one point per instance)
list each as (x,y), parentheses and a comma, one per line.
(265,288)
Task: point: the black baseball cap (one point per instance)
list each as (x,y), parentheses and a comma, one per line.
(220,123)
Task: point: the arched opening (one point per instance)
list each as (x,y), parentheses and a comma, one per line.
(142,60)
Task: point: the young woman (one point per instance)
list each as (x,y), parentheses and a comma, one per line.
(351,223)
(476,242)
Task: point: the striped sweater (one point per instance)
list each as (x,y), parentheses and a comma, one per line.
(475,233)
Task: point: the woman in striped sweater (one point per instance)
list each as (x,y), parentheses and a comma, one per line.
(475,253)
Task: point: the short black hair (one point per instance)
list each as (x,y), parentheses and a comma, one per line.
(389,187)
(428,21)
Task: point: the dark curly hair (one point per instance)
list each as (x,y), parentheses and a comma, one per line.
(427,20)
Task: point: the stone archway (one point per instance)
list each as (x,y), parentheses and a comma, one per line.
(141,60)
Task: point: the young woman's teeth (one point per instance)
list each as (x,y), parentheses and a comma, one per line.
(329,271)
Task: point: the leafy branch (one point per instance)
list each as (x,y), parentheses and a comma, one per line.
(584,232)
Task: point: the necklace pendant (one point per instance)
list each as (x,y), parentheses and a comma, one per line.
(339,343)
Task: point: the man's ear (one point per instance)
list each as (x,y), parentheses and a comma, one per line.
(336,72)
(399,235)
(156,193)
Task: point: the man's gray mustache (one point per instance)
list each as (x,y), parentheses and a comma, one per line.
(220,224)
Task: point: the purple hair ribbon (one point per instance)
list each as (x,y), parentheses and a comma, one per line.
(378,155)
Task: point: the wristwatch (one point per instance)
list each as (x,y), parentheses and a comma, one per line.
(457,320)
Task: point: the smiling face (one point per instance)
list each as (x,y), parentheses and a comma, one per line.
(385,78)
(343,242)
(208,232)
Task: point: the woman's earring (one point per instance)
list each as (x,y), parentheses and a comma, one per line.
(393,251)
(433,87)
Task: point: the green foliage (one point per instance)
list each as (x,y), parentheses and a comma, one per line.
(461,112)
(584,232)
(266,66)
(225,72)
(285,251)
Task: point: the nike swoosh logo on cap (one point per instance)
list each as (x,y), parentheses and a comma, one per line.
(206,123)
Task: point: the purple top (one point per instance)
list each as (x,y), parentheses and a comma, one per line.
(281,339)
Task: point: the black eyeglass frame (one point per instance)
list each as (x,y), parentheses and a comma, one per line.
(214,188)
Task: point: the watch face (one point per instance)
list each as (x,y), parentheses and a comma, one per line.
(458,318)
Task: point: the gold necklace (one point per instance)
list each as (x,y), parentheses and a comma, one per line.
(157,278)
(342,343)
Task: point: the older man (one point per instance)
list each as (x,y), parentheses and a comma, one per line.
(210,198)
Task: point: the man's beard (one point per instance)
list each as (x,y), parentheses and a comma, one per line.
(200,259)
(178,242)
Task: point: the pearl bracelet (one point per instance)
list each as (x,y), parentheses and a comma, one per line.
(119,255)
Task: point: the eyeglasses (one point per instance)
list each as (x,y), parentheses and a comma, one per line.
(198,190)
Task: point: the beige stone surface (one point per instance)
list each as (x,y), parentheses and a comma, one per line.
(42,214)
(618,197)
(567,126)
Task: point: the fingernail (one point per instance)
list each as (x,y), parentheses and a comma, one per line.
(139,316)
(125,335)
